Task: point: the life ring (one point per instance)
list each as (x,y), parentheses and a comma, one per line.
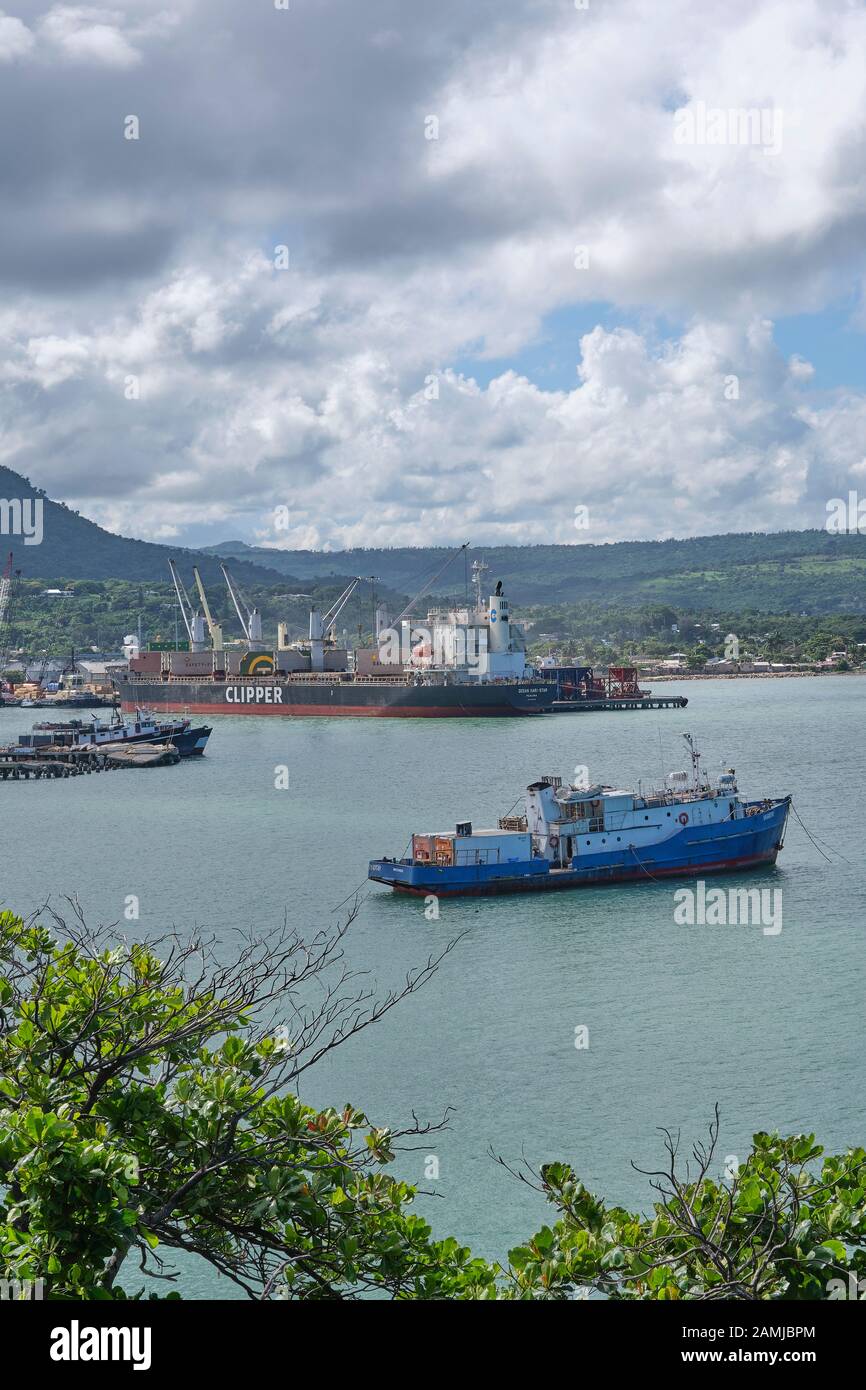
(553,841)
(683,818)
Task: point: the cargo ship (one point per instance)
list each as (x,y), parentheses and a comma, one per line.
(468,660)
(458,662)
(575,836)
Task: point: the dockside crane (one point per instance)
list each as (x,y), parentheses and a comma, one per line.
(249,617)
(214,628)
(193,622)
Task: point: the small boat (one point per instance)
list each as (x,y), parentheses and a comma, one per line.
(570,836)
(144,728)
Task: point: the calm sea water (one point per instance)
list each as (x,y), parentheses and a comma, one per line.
(679,1017)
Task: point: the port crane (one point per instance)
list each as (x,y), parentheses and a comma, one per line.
(193,622)
(214,628)
(249,617)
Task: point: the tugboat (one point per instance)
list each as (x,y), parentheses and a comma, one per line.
(145,728)
(571,836)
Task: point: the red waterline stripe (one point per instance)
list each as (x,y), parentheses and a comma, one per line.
(331,711)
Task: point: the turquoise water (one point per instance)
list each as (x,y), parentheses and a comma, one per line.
(679,1017)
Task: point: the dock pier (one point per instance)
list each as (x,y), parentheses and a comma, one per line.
(59,761)
(624,702)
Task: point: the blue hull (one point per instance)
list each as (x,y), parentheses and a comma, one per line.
(722,848)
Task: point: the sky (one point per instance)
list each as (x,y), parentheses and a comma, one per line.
(327,273)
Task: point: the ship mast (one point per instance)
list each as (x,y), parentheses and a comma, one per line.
(696,762)
(479,569)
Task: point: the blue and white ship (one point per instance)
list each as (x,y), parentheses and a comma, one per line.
(571,836)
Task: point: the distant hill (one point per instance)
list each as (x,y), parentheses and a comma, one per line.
(787,571)
(75,548)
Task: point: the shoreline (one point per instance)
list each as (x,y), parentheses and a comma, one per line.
(744,675)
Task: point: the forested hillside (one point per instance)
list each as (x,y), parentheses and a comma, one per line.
(790,571)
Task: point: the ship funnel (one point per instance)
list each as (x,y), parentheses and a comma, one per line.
(500,622)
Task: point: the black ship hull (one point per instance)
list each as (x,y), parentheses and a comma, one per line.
(337,698)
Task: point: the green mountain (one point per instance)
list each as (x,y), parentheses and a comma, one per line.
(784,572)
(75,548)
(787,571)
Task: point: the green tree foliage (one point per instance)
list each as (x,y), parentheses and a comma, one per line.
(781,1227)
(149,1105)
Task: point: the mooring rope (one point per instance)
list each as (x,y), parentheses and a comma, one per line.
(815,841)
(355,891)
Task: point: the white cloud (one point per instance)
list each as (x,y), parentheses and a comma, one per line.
(83,33)
(16,40)
(304,387)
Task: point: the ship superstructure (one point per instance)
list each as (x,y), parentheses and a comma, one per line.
(473,641)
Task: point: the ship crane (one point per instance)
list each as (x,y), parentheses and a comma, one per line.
(214,628)
(249,617)
(430,582)
(333,613)
(193,622)
(323,623)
